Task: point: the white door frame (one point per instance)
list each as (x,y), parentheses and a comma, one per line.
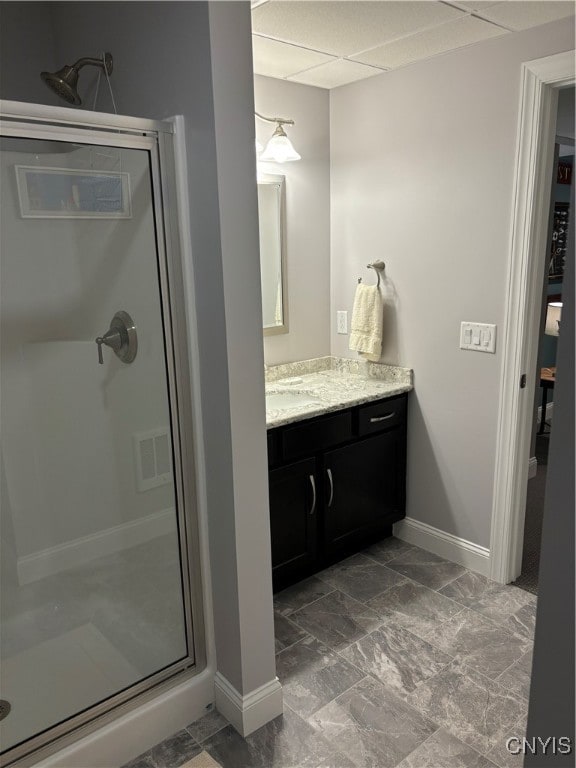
(541,80)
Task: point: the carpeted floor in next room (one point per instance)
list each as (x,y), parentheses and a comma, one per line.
(393,658)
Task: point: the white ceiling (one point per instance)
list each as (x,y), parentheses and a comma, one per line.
(327,44)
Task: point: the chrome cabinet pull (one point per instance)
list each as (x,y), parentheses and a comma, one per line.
(376,419)
(313,484)
(329,473)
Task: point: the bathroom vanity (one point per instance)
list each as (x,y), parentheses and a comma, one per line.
(337,461)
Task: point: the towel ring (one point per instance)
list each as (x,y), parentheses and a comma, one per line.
(378,267)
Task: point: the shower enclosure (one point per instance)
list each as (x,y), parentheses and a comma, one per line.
(100,575)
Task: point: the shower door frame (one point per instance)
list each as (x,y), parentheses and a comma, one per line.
(34,121)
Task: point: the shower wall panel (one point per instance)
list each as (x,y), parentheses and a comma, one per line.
(62,282)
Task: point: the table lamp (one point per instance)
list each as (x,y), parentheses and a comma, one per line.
(553,314)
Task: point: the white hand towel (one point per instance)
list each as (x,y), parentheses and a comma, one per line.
(366,325)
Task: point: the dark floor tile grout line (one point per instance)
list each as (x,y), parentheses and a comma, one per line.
(305,605)
(426,740)
(403,629)
(509,667)
(451,581)
(364,602)
(519,699)
(300,640)
(335,589)
(500,625)
(221,728)
(326,703)
(289,647)
(339,650)
(424,586)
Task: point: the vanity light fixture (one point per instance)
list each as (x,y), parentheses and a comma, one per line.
(279,148)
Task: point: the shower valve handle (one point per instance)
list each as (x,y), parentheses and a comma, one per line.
(111,339)
(121,337)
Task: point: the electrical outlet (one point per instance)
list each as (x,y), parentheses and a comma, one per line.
(342,321)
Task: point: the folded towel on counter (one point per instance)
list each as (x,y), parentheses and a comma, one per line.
(366,325)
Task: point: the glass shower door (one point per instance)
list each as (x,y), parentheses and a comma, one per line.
(93,588)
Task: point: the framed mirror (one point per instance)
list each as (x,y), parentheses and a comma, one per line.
(272,226)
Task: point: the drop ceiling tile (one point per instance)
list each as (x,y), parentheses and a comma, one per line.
(343,28)
(276,59)
(523,15)
(446,37)
(335,73)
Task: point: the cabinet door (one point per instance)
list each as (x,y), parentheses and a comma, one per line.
(293,508)
(365,490)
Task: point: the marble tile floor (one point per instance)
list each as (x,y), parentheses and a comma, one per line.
(394,658)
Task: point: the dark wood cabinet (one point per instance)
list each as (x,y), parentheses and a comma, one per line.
(347,493)
(293,523)
(365,492)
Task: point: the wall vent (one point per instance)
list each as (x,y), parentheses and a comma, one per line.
(153,456)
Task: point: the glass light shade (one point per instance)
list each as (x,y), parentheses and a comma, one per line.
(553,314)
(259,147)
(279,150)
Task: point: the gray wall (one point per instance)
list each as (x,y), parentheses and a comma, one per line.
(422,176)
(26,48)
(565,123)
(307,215)
(163,55)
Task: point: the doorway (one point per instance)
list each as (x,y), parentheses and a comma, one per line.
(542,81)
(550,319)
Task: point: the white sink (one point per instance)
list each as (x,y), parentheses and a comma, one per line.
(284,400)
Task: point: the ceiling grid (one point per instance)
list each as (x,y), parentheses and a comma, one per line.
(328,43)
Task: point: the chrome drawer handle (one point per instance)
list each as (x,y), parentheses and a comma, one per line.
(376,419)
(313,484)
(329,473)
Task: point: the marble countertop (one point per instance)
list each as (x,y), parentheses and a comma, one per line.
(298,391)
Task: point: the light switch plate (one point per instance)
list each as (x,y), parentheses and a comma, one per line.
(479,337)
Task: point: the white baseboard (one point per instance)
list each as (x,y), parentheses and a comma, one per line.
(532,467)
(549,413)
(53,560)
(443,544)
(250,712)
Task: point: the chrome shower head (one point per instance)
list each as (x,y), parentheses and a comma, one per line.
(64,82)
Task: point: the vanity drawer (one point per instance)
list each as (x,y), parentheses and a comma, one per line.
(310,437)
(382,415)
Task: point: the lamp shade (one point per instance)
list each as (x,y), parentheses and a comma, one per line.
(279,149)
(553,314)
